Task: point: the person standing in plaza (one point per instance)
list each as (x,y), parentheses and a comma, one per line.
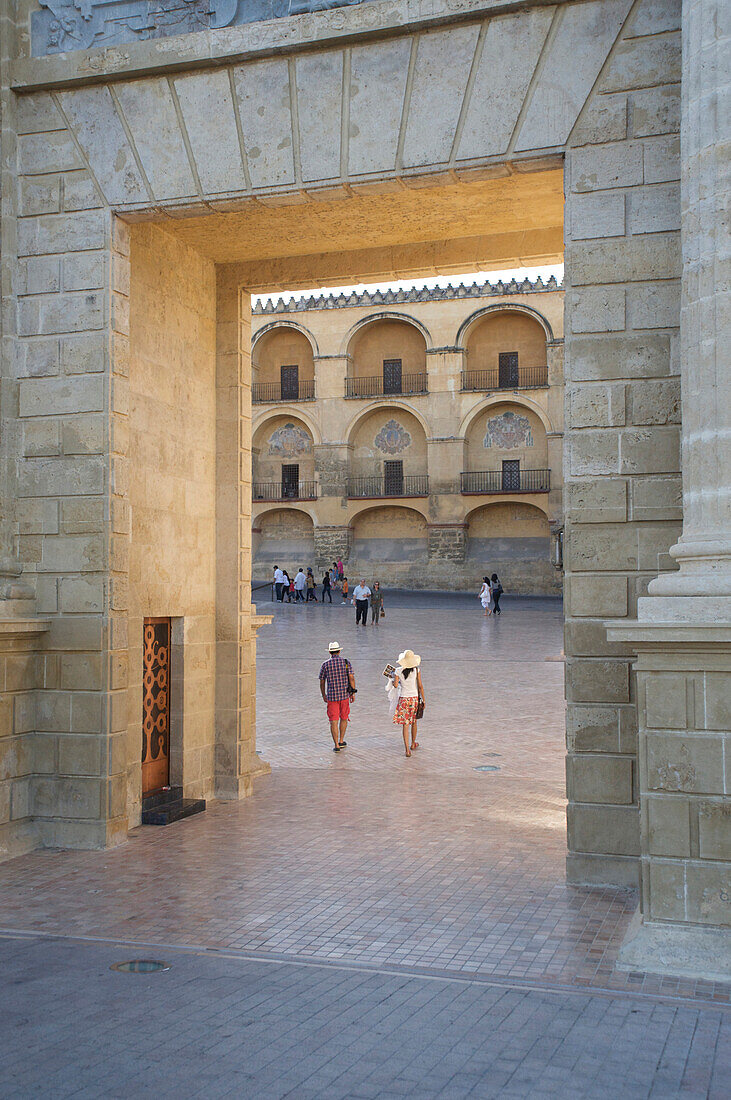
(361,593)
(407,681)
(311,587)
(344,589)
(326,587)
(376,603)
(485,595)
(497,590)
(300,582)
(337,684)
(278,583)
(287,587)
(339,566)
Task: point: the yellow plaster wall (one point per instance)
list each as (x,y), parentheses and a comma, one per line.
(367,459)
(387,340)
(267,466)
(282,347)
(172,493)
(505,331)
(508,520)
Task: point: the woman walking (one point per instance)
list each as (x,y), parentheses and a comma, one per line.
(326,587)
(311,587)
(376,603)
(497,590)
(485,595)
(407,680)
(288,587)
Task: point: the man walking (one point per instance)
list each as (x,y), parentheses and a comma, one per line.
(361,594)
(279,583)
(299,585)
(337,683)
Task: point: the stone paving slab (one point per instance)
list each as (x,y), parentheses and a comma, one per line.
(215,1026)
(367,857)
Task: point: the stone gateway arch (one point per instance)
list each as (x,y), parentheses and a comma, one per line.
(162,161)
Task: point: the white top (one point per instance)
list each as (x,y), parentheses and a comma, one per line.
(361,592)
(279,577)
(409,687)
(485,591)
(300,580)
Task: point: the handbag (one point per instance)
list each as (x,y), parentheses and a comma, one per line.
(383,612)
(420,708)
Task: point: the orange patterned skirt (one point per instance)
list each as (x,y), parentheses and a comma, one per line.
(405,712)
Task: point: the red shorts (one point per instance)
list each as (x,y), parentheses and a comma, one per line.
(338,710)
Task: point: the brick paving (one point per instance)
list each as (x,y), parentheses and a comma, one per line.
(365,924)
(213,1026)
(366,856)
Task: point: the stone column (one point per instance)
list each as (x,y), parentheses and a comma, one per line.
(682,634)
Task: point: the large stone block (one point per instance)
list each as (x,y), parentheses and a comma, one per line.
(604,167)
(654,306)
(593,358)
(666,701)
(592,728)
(597,215)
(668,825)
(43,153)
(61,476)
(590,680)
(603,500)
(62,796)
(717,700)
(708,892)
(596,406)
(592,452)
(596,595)
(597,309)
(656,498)
(607,830)
(685,762)
(84,755)
(601,779)
(656,111)
(53,233)
(593,547)
(56,396)
(441,71)
(655,59)
(655,209)
(647,255)
(604,120)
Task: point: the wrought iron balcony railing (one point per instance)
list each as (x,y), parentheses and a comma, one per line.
(506,481)
(527,378)
(264,392)
(373,386)
(275,490)
(410,485)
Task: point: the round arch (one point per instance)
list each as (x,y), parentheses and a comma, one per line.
(376,406)
(384,316)
(419,505)
(274,325)
(262,509)
(499,307)
(508,498)
(504,399)
(295,413)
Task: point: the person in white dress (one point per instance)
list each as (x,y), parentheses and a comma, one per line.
(485,595)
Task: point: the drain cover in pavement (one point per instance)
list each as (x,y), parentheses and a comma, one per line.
(141,966)
(487,768)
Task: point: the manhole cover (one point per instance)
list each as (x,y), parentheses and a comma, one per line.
(487,768)
(141,966)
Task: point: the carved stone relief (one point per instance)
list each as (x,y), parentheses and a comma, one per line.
(508,431)
(63,25)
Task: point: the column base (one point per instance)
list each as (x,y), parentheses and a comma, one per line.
(677,950)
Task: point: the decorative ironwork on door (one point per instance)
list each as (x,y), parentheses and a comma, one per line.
(289,381)
(394,479)
(508,369)
(392,380)
(156,705)
(511,475)
(290,481)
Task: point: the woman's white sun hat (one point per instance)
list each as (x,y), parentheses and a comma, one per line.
(409,659)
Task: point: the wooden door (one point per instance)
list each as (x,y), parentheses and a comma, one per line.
(507,369)
(511,475)
(289,381)
(392,379)
(394,479)
(290,481)
(155,705)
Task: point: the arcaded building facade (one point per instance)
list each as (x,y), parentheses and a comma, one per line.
(416,435)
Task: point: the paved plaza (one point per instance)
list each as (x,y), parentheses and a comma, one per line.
(365,924)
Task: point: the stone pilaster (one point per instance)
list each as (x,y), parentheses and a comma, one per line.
(447,541)
(682,634)
(331,469)
(331,544)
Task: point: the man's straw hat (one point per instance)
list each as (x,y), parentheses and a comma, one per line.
(334,647)
(409,659)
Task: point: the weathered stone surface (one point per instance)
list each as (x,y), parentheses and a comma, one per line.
(378,74)
(440,78)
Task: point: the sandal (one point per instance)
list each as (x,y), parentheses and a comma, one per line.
(408,752)
(415,745)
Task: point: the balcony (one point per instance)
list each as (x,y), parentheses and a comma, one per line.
(524,378)
(410,485)
(275,490)
(262,393)
(373,386)
(506,481)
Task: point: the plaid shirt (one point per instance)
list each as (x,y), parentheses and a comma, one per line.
(335,674)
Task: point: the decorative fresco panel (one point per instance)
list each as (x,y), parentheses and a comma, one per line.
(392,438)
(290,442)
(508,431)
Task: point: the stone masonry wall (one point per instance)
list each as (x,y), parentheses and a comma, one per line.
(622,456)
(172,494)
